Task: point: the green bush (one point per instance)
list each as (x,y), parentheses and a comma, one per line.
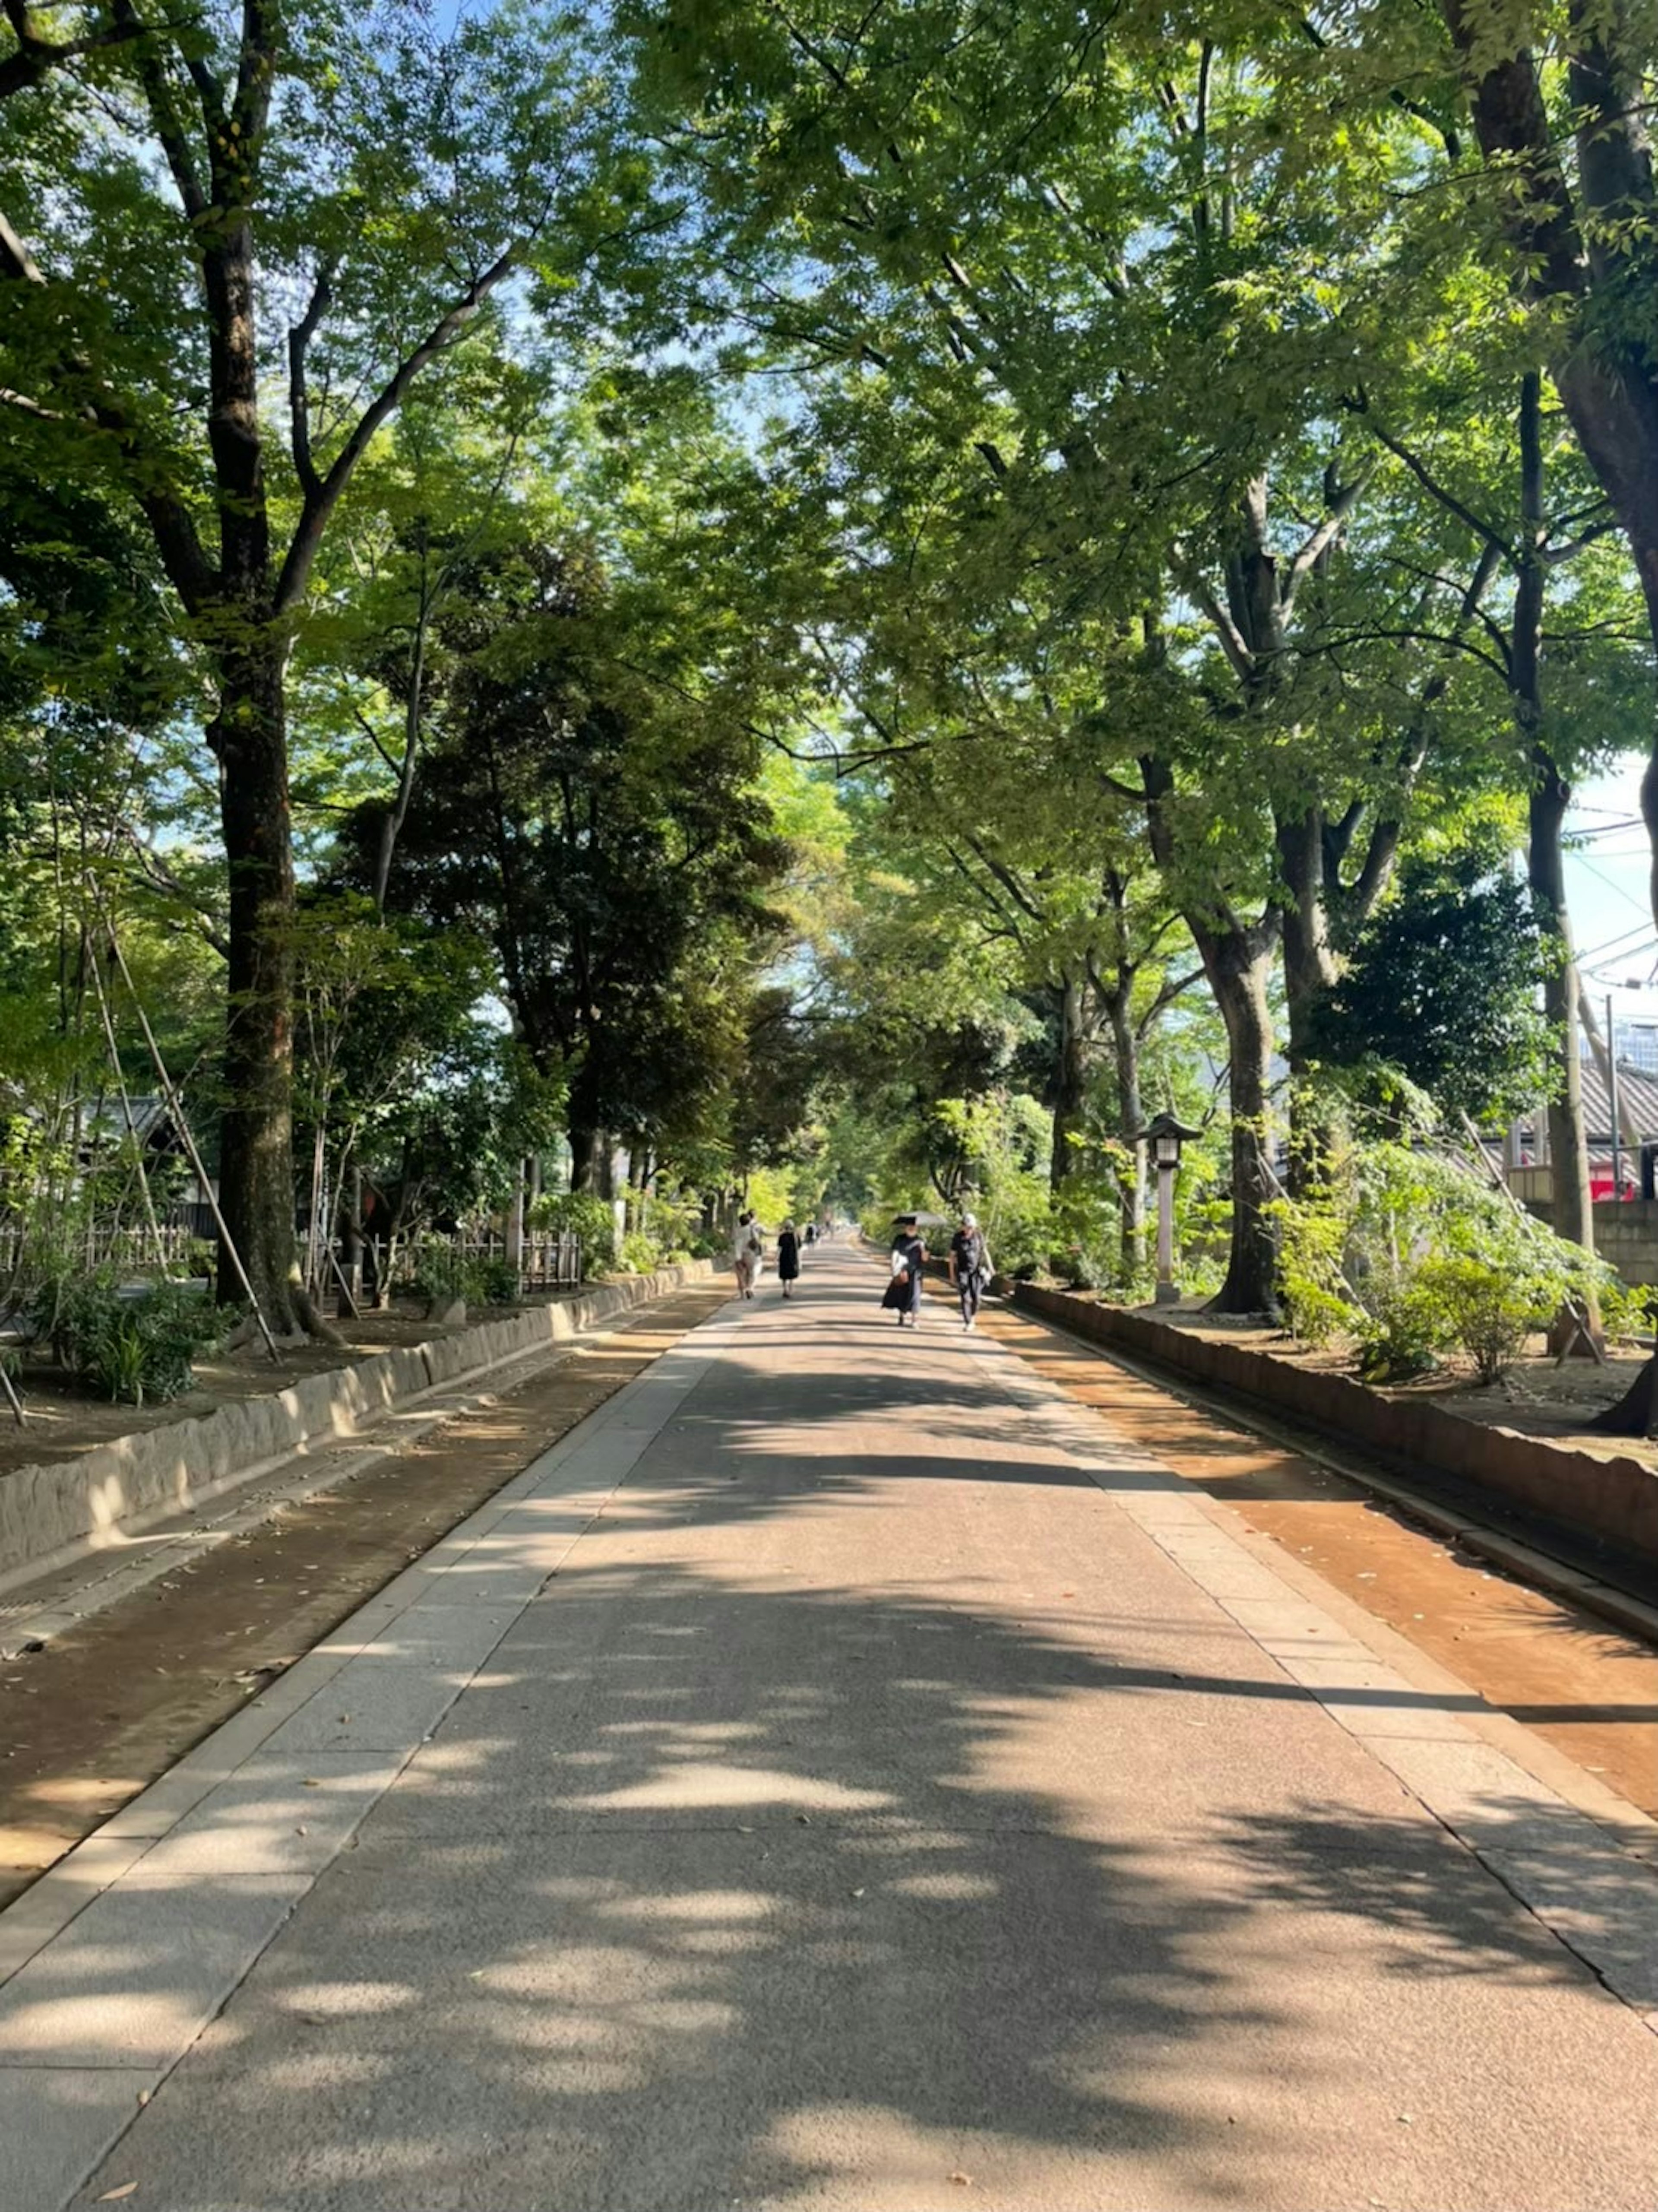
(580,1213)
(493,1282)
(1488,1312)
(437,1271)
(637,1254)
(131,1348)
(1413,1254)
(1400,1331)
(1629,1311)
(1312,1240)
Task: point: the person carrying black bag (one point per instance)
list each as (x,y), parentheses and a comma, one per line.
(903,1295)
(970,1266)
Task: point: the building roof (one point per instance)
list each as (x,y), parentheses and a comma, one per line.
(1638,1095)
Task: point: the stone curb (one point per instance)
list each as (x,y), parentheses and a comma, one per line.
(52,1515)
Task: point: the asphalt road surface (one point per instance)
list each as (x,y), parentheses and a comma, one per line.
(840,1774)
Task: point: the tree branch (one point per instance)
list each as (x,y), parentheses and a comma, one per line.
(1233,642)
(164,113)
(298,395)
(1323,537)
(450,327)
(37,56)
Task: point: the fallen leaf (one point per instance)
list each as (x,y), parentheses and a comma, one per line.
(114,2196)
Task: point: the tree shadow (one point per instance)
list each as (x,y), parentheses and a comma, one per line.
(708,1892)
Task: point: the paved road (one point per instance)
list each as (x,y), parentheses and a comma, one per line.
(900,1797)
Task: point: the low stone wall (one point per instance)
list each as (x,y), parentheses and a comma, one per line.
(49,1513)
(1627,1236)
(1613,1502)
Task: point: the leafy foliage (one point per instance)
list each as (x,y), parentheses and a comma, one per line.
(130,1344)
(1441,988)
(580,1213)
(1409,1255)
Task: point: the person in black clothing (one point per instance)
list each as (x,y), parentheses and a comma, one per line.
(788,1258)
(970,1266)
(903,1292)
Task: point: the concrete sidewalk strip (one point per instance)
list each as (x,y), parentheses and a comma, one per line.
(56,2122)
(281,1812)
(133,1980)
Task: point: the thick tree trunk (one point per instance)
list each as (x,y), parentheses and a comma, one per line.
(1130,1120)
(1309,973)
(586,1147)
(1309,964)
(1569,1149)
(1239,966)
(1070,1079)
(256,1171)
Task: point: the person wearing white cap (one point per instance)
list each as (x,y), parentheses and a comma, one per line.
(970,1266)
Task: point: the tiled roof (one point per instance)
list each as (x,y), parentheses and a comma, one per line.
(1638,1095)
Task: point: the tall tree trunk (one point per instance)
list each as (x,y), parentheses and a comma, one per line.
(1309,964)
(1238,966)
(587,1145)
(1550,795)
(1309,973)
(1070,1078)
(1130,1120)
(1568,1146)
(255,1194)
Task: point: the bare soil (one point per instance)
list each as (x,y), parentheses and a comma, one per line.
(64,1418)
(90,1719)
(1586,1688)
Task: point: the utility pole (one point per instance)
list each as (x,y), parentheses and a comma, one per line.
(1611,1099)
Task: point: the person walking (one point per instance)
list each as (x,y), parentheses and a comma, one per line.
(969,1268)
(903,1291)
(744,1246)
(788,1258)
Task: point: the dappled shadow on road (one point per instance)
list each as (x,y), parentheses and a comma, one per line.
(710,1893)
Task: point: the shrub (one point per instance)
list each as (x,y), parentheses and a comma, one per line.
(1400,1331)
(1487,1311)
(1413,1254)
(437,1271)
(1313,1238)
(637,1254)
(493,1282)
(1629,1310)
(131,1347)
(580,1213)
